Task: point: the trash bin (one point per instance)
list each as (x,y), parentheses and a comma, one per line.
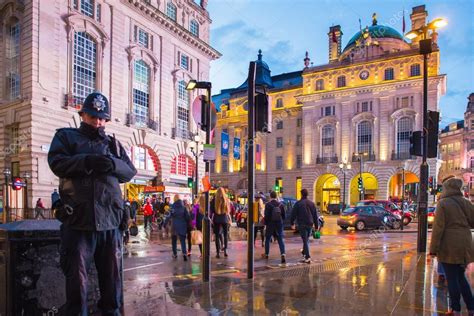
(31,280)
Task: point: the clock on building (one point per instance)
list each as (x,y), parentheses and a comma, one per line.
(364,74)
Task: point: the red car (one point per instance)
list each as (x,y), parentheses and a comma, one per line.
(389,206)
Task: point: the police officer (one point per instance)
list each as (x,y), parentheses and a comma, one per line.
(90,165)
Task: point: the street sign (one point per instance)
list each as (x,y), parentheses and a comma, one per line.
(198,112)
(17,184)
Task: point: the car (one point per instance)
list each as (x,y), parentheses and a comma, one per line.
(390,207)
(368,216)
(431,215)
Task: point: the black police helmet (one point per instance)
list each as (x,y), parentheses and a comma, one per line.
(96,104)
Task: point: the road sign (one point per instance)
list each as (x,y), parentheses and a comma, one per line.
(198,112)
(17,184)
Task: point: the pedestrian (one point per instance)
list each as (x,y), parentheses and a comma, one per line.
(274,216)
(306,215)
(189,209)
(148,213)
(260,225)
(39,208)
(451,242)
(54,196)
(88,162)
(134,207)
(220,217)
(198,214)
(179,217)
(165,209)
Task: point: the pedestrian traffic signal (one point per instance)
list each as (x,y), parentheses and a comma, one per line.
(433,130)
(416,144)
(190,182)
(276,187)
(360,184)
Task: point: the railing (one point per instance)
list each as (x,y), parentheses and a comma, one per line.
(324,160)
(182,134)
(365,157)
(142,122)
(18,214)
(402,156)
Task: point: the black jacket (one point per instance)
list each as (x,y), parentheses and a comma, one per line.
(305,213)
(269,210)
(96,198)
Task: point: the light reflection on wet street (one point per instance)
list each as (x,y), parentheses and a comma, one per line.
(361,273)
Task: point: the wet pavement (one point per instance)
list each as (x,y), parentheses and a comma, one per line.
(361,273)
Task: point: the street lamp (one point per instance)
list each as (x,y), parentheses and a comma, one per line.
(26,175)
(206,223)
(425,50)
(344,166)
(6,172)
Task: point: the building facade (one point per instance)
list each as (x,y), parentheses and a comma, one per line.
(457,149)
(362,105)
(139,53)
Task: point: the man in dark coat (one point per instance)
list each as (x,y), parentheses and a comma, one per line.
(90,166)
(274,216)
(306,215)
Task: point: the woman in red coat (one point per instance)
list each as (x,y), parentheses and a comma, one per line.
(148,213)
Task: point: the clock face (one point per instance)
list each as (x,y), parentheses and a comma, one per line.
(364,74)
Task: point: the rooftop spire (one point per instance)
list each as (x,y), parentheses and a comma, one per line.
(374,19)
(259,54)
(306,60)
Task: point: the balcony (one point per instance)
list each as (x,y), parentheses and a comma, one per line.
(402,156)
(177,133)
(141,122)
(365,157)
(326,160)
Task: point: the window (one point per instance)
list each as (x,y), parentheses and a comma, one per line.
(194,28)
(279,162)
(225,165)
(279,142)
(457,146)
(327,141)
(280,125)
(141,92)
(12,54)
(415,70)
(15,140)
(443,149)
(450,148)
(298,140)
(319,84)
(213,166)
(182,165)
(389,74)
(279,103)
(404,130)
(328,111)
(472,124)
(183,111)
(341,81)
(450,164)
(143,38)
(472,162)
(98,12)
(299,122)
(471,144)
(364,137)
(139,157)
(366,106)
(87,8)
(299,161)
(85,61)
(184,62)
(405,101)
(171,11)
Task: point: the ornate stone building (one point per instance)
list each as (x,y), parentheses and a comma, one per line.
(457,149)
(139,53)
(364,102)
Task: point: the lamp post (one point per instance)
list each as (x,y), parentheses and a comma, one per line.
(206,224)
(6,172)
(344,167)
(26,175)
(196,149)
(425,50)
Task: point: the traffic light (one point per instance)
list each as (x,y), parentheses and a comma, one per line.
(276,187)
(433,129)
(440,188)
(360,184)
(190,182)
(416,143)
(430,182)
(263,113)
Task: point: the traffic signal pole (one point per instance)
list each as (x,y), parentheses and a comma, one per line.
(251,169)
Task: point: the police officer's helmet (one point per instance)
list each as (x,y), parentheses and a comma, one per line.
(96,104)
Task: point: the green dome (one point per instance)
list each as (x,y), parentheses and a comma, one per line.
(376,31)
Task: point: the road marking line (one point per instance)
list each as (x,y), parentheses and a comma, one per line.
(145,266)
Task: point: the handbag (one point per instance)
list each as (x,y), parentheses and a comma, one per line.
(196,237)
(133,229)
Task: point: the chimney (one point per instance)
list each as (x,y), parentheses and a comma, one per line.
(418,19)
(204,4)
(335,39)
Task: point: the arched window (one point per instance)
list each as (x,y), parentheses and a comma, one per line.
(327,141)
(182,165)
(364,137)
(404,130)
(171,11)
(279,103)
(319,84)
(141,92)
(182,122)
(341,81)
(85,66)
(12,59)
(389,74)
(415,70)
(194,28)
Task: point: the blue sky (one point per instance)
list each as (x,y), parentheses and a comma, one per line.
(286,29)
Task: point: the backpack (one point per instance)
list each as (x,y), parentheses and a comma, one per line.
(276,213)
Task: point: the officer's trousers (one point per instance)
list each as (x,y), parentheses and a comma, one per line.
(78,249)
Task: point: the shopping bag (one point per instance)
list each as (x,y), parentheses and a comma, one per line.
(133,229)
(316,234)
(196,237)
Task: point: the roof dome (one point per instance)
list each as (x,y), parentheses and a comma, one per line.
(263,74)
(375,31)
